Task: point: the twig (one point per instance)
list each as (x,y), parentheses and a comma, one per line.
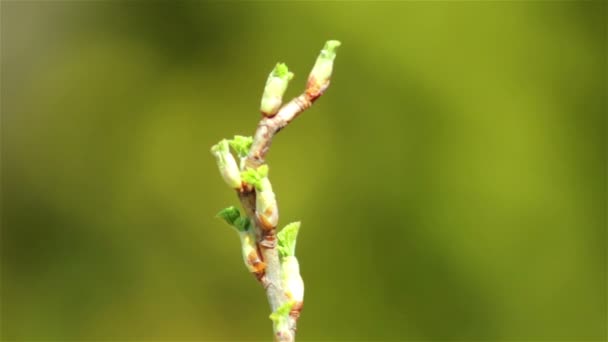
(256,196)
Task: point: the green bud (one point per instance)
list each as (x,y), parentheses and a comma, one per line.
(266,208)
(292,281)
(321,72)
(276,84)
(227,164)
(287,239)
(241,145)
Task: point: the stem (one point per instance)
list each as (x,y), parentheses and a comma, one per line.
(267,128)
(284,305)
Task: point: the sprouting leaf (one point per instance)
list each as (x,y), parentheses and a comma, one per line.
(230,215)
(255,176)
(287,239)
(233,217)
(241,145)
(242,224)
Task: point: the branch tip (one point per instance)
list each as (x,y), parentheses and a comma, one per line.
(318,80)
(276,85)
(269,255)
(227,164)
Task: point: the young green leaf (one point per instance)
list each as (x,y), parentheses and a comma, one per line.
(255,176)
(242,224)
(241,145)
(230,215)
(287,239)
(233,217)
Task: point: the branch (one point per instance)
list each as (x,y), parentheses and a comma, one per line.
(280,276)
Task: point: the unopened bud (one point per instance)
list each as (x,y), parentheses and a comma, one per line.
(276,84)
(319,77)
(266,208)
(226,164)
(251,257)
(292,280)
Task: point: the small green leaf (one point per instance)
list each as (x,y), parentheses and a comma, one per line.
(230,215)
(233,217)
(281,71)
(282,312)
(287,239)
(255,177)
(242,224)
(241,145)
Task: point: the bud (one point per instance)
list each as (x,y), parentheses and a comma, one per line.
(251,257)
(276,84)
(226,164)
(318,80)
(266,208)
(242,225)
(292,281)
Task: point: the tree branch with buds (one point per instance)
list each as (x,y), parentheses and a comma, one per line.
(268,255)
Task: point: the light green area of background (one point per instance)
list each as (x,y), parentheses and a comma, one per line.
(451,183)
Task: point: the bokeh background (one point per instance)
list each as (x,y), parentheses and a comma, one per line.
(451,182)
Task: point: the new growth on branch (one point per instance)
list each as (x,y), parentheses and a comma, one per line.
(268,255)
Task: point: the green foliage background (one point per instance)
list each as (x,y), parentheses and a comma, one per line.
(451,183)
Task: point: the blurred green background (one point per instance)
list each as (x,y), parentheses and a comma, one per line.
(451,182)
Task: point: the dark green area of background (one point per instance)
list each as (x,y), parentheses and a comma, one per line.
(451,183)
